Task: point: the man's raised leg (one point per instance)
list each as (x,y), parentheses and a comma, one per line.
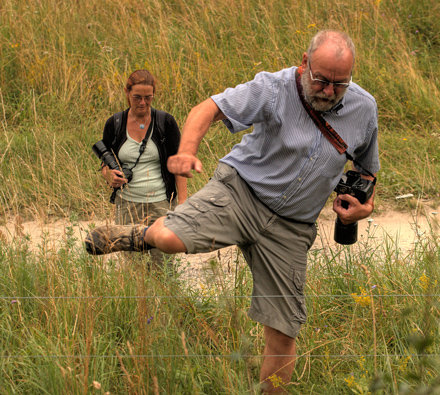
(106,239)
(160,237)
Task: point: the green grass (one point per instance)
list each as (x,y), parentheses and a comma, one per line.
(70,321)
(64,66)
(76,320)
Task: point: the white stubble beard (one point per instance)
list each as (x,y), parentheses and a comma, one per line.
(312,96)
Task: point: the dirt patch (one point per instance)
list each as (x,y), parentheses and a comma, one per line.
(403,229)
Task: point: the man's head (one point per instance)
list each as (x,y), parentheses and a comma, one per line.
(327,67)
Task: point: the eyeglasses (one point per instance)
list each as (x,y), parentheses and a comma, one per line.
(324,83)
(138,99)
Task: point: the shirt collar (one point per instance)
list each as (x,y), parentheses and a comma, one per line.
(337,107)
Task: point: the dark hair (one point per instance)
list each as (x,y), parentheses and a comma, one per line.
(143,77)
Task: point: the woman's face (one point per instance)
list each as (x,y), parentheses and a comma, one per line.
(140,98)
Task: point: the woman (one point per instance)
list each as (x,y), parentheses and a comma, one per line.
(153,189)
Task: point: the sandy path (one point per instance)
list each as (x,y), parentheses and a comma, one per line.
(404,228)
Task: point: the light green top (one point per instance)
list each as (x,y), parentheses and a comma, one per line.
(147,185)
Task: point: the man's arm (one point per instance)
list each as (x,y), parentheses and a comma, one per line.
(196,126)
(355,211)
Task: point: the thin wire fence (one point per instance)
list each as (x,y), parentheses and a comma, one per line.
(230,356)
(16,298)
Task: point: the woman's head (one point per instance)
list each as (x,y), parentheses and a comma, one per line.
(140,79)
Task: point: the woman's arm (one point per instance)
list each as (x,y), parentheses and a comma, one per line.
(182,191)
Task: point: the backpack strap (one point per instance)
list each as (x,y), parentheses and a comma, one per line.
(160,124)
(117,124)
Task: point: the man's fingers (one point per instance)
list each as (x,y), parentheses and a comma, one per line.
(198,166)
(182,165)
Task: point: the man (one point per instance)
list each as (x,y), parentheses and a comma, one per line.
(268,191)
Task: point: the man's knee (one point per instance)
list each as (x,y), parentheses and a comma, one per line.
(164,239)
(275,338)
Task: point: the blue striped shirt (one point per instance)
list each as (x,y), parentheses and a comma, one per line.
(286,160)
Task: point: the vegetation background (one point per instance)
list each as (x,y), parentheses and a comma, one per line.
(64,66)
(63,69)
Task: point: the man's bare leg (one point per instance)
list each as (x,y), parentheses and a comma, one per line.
(159,236)
(279,368)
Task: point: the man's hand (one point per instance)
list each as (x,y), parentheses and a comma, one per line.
(182,164)
(197,124)
(355,211)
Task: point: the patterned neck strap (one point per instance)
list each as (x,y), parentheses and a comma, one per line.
(330,134)
(321,123)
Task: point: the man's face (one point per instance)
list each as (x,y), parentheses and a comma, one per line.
(323,97)
(317,98)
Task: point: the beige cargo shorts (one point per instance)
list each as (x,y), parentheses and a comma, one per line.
(226,212)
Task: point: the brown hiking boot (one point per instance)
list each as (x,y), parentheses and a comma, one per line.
(112,238)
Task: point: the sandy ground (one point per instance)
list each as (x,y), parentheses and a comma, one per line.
(403,229)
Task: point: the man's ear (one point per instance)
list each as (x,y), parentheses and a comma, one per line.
(305,60)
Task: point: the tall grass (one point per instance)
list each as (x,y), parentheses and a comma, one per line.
(76,324)
(64,66)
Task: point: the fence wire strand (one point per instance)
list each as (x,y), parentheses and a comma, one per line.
(231,356)
(221,296)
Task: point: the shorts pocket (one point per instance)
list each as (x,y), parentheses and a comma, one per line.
(299,303)
(199,205)
(219,200)
(203,204)
(207,207)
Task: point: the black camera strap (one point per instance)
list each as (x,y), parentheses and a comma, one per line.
(141,151)
(326,129)
(144,142)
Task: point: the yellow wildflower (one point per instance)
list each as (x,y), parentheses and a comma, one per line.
(361,362)
(351,382)
(276,380)
(363,300)
(404,364)
(424,282)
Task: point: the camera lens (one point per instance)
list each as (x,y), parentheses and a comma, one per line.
(99,149)
(106,157)
(345,234)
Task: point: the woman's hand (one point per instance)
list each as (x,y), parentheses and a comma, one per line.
(114,178)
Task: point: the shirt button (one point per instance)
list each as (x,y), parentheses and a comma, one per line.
(212,199)
(299,179)
(284,197)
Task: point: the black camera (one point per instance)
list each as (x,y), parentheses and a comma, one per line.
(351,183)
(108,159)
